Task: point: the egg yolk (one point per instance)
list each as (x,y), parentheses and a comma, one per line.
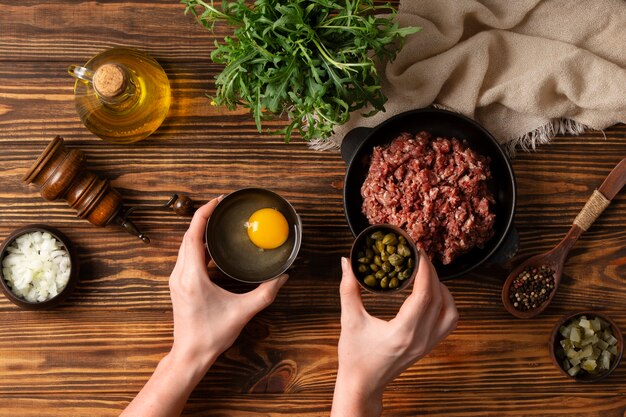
(267,228)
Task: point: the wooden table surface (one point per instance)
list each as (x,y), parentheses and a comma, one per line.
(90,356)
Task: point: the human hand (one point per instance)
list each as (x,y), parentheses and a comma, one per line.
(207,318)
(372,352)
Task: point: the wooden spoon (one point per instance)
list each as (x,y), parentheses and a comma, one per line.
(599,200)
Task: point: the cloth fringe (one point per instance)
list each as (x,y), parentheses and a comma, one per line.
(320,144)
(527,142)
(544,134)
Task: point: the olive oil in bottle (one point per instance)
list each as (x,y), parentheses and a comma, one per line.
(122,95)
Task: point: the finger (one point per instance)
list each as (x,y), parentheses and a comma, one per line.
(264,294)
(350,292)
(195,247)
(199,220)
(425,295)
(448,316)
(180,260)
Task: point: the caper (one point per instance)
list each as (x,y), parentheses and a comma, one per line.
(363,269)
(384,256)
(396,259)
(380,275)
(362,260)
(377,235)
(378,261)
(370,280)
(394,283)
(384,283)
(410,263)
(393,273)
(403,250)
(387,266)
(390,239)
(380,246)
(369,241)
(390,249)
(369,253)
(402,240)
(399,268)
(376,250)
(374,267)
(403,275)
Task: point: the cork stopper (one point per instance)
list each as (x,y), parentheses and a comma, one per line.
(109,80)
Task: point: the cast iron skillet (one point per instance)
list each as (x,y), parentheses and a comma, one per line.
(357,147)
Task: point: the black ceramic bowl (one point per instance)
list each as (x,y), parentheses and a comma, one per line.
(357,147)
(359,245)
(52,302)
(230,247)
(555,340)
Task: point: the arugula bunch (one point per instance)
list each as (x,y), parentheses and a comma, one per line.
(310,59)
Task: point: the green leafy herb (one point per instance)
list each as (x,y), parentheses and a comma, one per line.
(309,59)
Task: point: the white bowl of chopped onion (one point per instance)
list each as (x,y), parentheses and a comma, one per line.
(38,267)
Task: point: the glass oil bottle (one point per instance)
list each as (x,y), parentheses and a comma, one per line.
(122,95)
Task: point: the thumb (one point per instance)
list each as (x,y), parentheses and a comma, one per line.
(264,294)
(350,292)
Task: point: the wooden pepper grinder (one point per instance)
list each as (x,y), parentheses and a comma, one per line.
(61,174)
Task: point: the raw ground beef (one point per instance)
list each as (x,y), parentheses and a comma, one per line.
(435,189)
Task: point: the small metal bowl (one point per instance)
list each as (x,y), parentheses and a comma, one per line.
(556,337)
(74,266)
(359,244)
(230,247)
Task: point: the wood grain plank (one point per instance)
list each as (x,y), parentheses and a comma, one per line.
(397,404)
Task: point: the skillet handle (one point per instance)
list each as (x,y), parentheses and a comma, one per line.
(352,141)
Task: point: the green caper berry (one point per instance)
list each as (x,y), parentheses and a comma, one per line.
(396,259)
(378,261)
(410,263)
(394,283)
(370,281)
(390,239)
(402,240)
(393,273)
(380,246)
(374,267)
(369,253)
(377,235)
(362,260)
(363,269)
(390,249)
(380,275)
(387,266)
(376,250)
(399,268)
(402,275)
(384,256)
(384,283)
(403,250)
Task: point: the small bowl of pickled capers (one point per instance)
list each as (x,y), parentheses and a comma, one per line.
(384,258)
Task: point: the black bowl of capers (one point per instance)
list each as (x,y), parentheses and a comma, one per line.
(384,259)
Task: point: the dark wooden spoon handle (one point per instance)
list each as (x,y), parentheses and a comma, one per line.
(615,181)
(601,198)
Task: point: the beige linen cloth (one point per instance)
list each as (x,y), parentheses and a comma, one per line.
(524,69)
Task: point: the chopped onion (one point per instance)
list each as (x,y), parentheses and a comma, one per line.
(37,267)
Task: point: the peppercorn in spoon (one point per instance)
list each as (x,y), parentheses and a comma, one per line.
(529,288)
